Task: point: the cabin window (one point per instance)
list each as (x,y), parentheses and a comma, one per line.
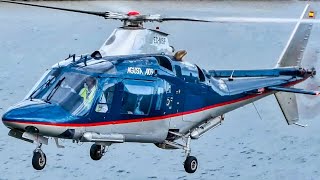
(201,75)
(160,92)
(164,87)
(189,72)
(164,62)
(137,97)
(105,100)
(98,66)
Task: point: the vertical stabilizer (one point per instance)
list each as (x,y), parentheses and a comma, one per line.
(292,56)
(288,105)
(293,52)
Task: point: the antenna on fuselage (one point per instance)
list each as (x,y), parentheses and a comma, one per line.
(73,57)
(231,76)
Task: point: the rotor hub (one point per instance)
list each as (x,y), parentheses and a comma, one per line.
(133,13)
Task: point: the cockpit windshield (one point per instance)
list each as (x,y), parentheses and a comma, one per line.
(73,91)
(47,79)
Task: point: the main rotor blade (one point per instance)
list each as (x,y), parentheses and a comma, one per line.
(102,14)
(184,19)
(151,18)
(241,20)
(259,20)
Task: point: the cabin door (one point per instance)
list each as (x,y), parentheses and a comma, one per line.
(174,104)
(102,111)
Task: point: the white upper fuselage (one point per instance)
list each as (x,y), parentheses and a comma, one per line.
(135,40)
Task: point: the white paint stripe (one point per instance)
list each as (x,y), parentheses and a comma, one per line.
(292,35)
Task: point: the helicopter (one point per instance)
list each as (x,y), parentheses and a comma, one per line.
(137,88)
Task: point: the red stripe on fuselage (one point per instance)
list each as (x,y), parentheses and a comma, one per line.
(135,120)
(150,118)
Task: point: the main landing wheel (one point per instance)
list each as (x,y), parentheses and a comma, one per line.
(39,160)
(191,164)
(96,152)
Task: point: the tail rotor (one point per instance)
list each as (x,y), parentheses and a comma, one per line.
(309,107)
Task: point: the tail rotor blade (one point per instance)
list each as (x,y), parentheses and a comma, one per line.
(309,105)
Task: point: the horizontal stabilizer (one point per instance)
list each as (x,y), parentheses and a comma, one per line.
(287,71)
(294,90)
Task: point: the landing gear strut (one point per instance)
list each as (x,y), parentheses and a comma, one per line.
(97,151)
(39,159)
(191,162)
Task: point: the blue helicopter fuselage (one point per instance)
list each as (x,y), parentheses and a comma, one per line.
(140,97)
(133,90)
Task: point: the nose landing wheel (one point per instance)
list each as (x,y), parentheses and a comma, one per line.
(39,159)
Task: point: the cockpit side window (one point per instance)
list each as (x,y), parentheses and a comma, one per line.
(105,100)
(164,62)
(137,97)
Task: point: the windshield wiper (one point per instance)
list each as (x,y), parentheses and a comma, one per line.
(54,90)
(47,83)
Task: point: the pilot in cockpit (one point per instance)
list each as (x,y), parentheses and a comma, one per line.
(88,91)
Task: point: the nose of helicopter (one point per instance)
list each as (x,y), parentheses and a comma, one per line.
(37,118)
(19,118)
